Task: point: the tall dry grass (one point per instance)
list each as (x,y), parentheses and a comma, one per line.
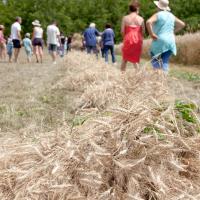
(187,45)
(77,43)
(131,143)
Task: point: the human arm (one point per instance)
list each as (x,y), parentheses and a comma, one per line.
(33,34)
(143,27)
(123,26)
(58,35)
(42,33)
(113,34)
(31,45)
(19,31)
(149,24)
(97,33)
(179,25)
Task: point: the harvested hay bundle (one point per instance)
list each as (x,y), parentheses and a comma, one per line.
(134,146)
(77,42)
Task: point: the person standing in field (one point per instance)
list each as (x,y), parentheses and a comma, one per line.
(108,38)
(28,46)
(69,43)
(16,37)
(62,44)
(161,27)
(132,30)
(53,35)
(66,39)
(90,35)
(37,40)
(2,44)
(9,47)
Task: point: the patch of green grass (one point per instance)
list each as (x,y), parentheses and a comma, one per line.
(148,129)
(107,114)
(45,99)
(186,111)
(22,113)
(189,76)
(151,129)
(79,120)
(118,58)
(3,109)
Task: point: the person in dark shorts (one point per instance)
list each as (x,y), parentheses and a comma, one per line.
(37,40)
(53,36)
(16,37)
(52,47)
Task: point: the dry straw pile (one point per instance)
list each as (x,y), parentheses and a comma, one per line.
(127,141)
(77,41)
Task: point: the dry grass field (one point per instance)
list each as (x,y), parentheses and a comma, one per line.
(28,99)
(81,130)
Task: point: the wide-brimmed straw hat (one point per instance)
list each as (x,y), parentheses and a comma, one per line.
(36,23)
(163,4)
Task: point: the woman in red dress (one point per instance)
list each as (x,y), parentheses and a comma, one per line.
(132,30)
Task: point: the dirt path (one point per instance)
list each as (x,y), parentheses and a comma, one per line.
(184,82)
(27,99)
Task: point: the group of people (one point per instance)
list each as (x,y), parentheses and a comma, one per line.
(94,41)
(33,43)
(161,27)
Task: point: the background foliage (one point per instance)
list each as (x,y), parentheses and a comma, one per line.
(75,15)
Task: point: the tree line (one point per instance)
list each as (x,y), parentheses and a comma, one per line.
(75,15)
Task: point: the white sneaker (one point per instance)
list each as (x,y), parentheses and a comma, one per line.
(54,63)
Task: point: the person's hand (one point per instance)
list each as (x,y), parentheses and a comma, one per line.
(154,36)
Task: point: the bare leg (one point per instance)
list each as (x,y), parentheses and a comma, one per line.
(40,50)
(123,65)
(29,57)
(16,54)
(136,65)
(36,53)
(54,55)
(1,53)
(10,58)
(4,52)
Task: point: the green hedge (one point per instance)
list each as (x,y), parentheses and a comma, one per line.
(75,15)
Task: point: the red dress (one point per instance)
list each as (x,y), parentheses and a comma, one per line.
(132,44)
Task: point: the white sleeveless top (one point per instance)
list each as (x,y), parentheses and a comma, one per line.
(38,32)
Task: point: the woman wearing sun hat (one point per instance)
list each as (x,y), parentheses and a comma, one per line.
(161,27)
(37,39)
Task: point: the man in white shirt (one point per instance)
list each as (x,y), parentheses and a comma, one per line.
(16,36)
(53,35)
